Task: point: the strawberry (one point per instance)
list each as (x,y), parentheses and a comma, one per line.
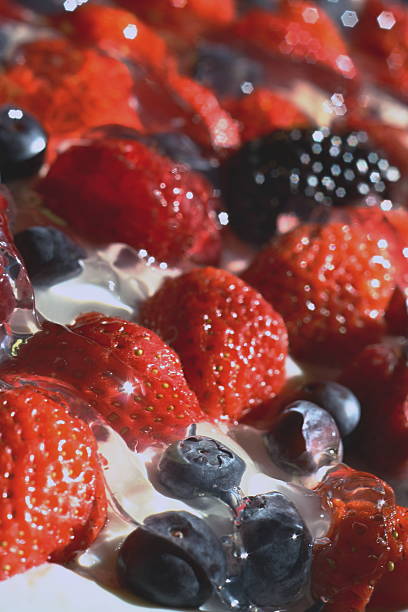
(262,111)
(183,21)
(53,500)
(75,82)
(299,30)
(232,344)
(331,283)
(210,125)
(391,592)
(380,36)
(120,190)
(122,370)
(361,545)
(379,378)
(117,32)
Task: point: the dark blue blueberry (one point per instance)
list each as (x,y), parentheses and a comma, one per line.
(44,7)
(174,560)
(23,143)
(49,255)
(279,550)
(200,466)
(304,438)
(226,70)
(339,401)
(302,172)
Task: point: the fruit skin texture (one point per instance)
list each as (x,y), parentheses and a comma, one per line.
(122,370)
(53,499)
(232,344)
(200,466)
(173,559)
(330,283)
(262,111)
(362,540)
(120,190)
(287,32)
(379,378)
(279,548)
(76,82)
(105,27)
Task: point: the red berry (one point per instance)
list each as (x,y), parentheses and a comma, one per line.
(120,190)
(117,32)
(53,500)
(184,20)
(379,378)
(299,30)
(76,84)
(232,344)
(380,35)
(331,284)
(122,370)
(263,111)
(209,124)
(360,546)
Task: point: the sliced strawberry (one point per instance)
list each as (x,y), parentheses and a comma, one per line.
(128,375)
(332,285)
(232,344)
(263,111)
(120,190)
(53,500)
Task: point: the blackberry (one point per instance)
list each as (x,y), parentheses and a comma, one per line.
(302,172)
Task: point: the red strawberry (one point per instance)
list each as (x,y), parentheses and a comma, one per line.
(184,20)
(76,83)
(332,285)
(379,378)
(117,32)
(300,30)
(53,500)
(391,592)
(232,344)
(381,36)
(210,124)
(120,190)
(360,546)
(263,111)
(123,370)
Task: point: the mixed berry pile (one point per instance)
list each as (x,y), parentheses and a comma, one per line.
(194,131)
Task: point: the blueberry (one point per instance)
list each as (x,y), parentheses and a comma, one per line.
(226,70)
(200,466)
(279,550)
(49,254)
(304,438)
(301,172)
(174,560)
(22,144)
(339,401)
